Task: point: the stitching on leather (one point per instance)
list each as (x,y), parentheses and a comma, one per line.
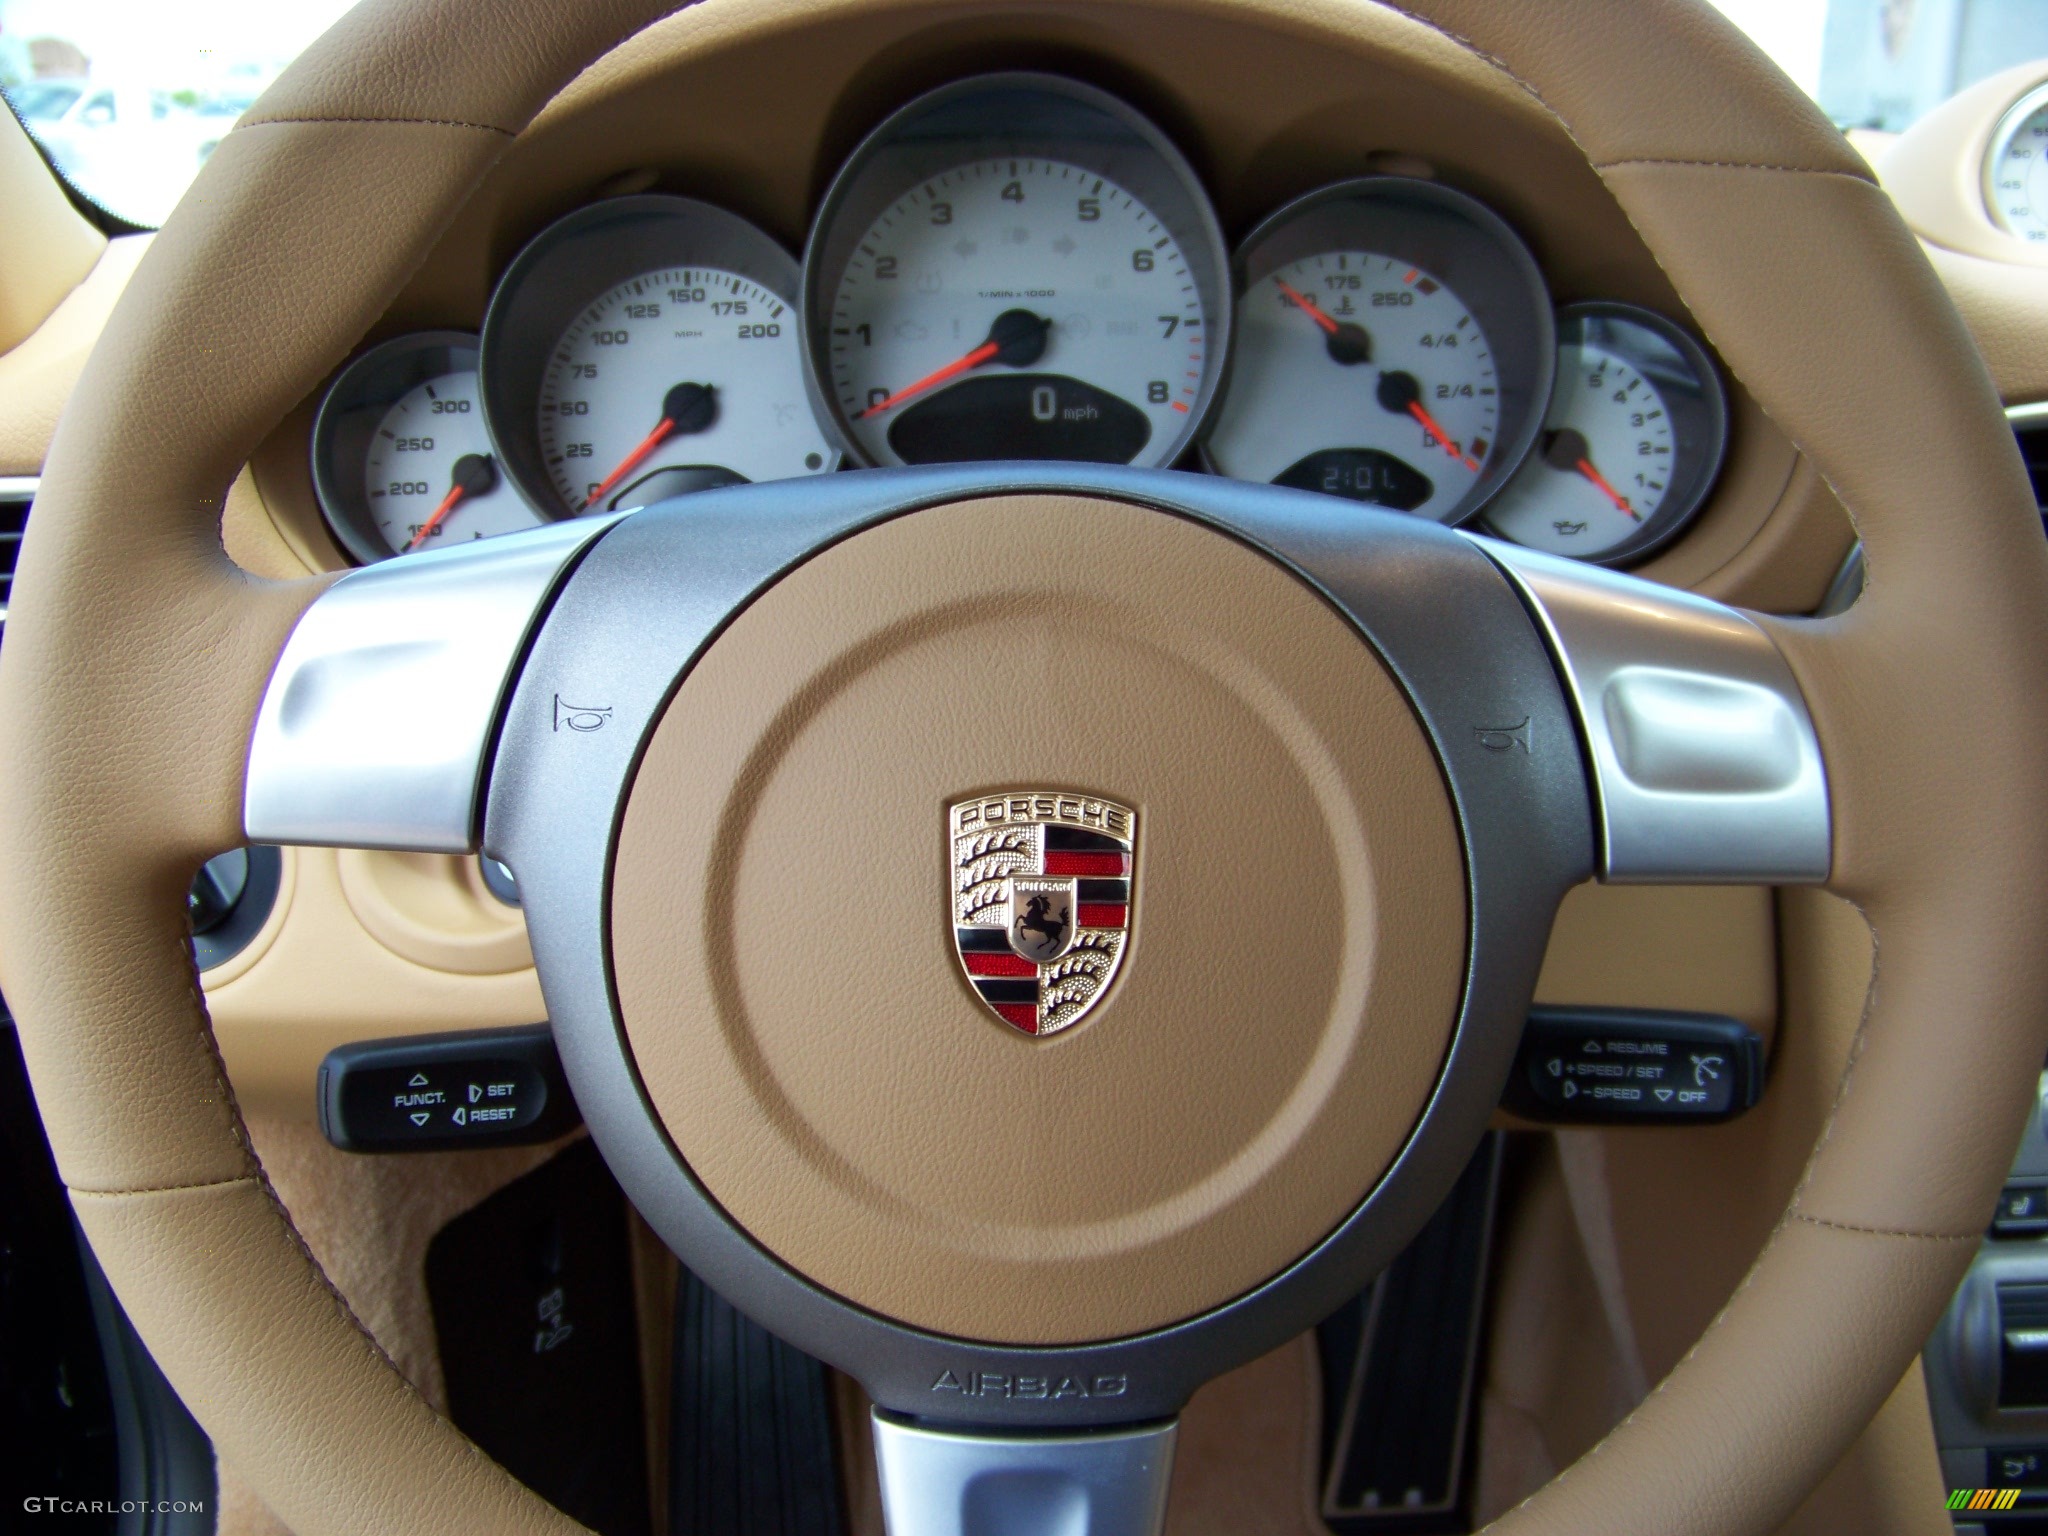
(1537,96)
(1477,52)
(259,1176)
(1863,1231)
(1604,166)
(1791,1214)
(1727,1308)
(633,29)
(1856,1045)
(195,993)
(160,1189)
(379,122)
(1602,1445)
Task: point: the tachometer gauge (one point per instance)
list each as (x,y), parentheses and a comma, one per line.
(1630,445)
(2016,169)
(644,347)
(401,457)
(1393,347)
(1016,267)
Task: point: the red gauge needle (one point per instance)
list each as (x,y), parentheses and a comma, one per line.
(1400,394)
(1435,430)
(1585,467)
(686,408)
(1017,339)
(631,461)
(1347,343)
(1307,306)
(474,474)
(1568,450)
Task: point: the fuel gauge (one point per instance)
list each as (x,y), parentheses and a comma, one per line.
(1630,445)
(1393,347)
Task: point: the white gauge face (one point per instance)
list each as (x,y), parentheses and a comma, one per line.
(1603,466)
(2016,176)
(1364,376)
(1017,308)
(676,380)
(429,475)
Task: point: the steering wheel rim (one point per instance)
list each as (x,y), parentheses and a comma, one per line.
(137,656)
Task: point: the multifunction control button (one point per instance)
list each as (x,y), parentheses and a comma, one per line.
(1631,1065)
(485,1087)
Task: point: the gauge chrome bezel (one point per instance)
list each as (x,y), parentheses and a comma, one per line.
(570,264)
(1699,439)
(2009,124)
(378,377)
(1293,232)
(979,118)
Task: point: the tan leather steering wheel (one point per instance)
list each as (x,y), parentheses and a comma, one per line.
(137,656)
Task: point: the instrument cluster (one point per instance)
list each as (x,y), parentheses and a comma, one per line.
(1020,266)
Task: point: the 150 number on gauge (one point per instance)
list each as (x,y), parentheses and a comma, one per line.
(675,381)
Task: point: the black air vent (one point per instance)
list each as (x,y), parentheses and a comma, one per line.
(15,496)
(2030,431)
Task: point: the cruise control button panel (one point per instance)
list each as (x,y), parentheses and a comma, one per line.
(1634,1066)
(425,1093)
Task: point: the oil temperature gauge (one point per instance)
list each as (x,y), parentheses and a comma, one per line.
(1630,445)
(402,460)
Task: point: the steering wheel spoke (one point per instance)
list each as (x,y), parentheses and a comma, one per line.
(1700,752)
(938,1482)
(377,724)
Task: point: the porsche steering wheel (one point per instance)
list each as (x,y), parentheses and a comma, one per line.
(746,753)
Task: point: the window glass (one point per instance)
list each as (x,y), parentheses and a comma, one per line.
(1885,63)
(129,97)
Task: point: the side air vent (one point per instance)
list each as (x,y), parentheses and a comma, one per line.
(2030,431)
(16,492)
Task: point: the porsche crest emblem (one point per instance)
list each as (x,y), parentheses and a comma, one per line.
(1041,902)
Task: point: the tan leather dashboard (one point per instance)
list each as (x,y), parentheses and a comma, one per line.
(363,945)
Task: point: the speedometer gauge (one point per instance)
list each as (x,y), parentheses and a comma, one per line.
(644,347)
(1393,347)
(2016,169)
(1016,267)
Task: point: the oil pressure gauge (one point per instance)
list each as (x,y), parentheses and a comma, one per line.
(1630,445)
